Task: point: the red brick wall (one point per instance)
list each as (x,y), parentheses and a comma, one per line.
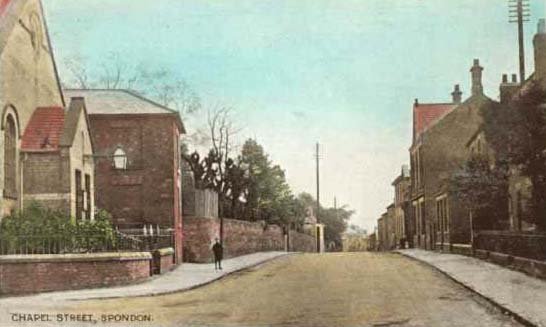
(41,273)
(147,191)
(167,263)
(240,237)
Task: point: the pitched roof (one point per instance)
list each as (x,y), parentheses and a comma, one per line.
(121,102)
(426,115)
(3,5)
(43,131)
(117,102)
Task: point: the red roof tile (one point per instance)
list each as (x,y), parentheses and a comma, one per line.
(3,5)
(427,114)
(44,129)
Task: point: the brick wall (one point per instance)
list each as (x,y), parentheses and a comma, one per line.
(46,180)
(302,242)
(147,192)
(39,273)
(163,260)
(240,237)
(142,193)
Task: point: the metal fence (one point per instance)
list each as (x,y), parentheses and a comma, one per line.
(55,244)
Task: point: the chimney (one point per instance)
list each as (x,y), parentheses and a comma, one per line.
(416,102)
(508,89)
(476,70)
(457,95)
(539,42)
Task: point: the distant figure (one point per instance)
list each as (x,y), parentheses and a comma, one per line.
(218,251)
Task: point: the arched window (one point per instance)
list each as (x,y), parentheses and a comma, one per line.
(120,159)
(10,158)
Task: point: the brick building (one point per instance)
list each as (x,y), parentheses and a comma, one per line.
(439,149)
(57,160)
(402,211)
(137,160)
(28,81)
(382,233)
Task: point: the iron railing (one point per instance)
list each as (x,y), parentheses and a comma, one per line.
(56,244)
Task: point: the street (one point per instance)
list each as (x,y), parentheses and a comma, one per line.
(337,289)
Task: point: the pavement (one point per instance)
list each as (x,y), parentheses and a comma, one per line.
(184,277)
(515,292)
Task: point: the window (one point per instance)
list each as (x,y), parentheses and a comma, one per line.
(519,209)
(442,214)
(79,195)
(87,197)
(120,159)
(10,158)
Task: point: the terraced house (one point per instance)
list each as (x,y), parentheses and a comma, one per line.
(440,150)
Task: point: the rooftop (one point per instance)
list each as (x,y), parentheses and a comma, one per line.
(426,115)
(99,102)
(44,130)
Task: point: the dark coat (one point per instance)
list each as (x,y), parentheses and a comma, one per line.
(218,250)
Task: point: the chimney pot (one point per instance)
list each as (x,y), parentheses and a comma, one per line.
(504,78)
(416,103)
(476,70)
(514,78)
(456,95)
(539,43)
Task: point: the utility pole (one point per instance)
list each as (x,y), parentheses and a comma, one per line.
(519,12)
(317,158)
(335,207)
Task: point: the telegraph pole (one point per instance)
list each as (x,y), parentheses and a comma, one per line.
(335,207)
(317,157)
(519,12)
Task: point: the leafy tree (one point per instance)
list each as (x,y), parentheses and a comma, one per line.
(483,188)
(517,132)
(334,219)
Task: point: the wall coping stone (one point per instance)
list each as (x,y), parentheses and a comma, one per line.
(460,245)
(165,251)
(76,257)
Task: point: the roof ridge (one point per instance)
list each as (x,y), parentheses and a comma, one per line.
(128,91)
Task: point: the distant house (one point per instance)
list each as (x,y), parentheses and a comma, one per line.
(425,115)
(402,214)
(137,151)
(29,81)
(57,160)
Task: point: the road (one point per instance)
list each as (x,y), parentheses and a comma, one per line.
(338,289)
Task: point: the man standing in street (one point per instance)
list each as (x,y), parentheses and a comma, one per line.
(218,251)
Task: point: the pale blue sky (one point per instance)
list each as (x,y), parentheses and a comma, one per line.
(341,72)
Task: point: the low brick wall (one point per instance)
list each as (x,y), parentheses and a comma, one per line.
(300,242)
(240,237)
(525,245)
(22,274)
(163,260)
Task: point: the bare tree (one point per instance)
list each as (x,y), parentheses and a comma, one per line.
(160,84)
(79,76)
(222,131)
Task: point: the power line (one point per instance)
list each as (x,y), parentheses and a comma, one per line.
(317,159)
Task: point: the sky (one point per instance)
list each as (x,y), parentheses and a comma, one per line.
(341,73)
